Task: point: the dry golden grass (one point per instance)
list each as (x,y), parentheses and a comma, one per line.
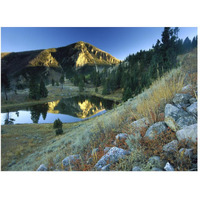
(161,92)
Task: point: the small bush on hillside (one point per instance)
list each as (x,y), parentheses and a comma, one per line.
(57,124)
(59,131)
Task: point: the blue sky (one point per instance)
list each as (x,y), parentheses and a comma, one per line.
(118,41)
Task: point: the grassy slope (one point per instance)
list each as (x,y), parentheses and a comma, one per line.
(87,135)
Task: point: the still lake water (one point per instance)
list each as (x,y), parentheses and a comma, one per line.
(67,110)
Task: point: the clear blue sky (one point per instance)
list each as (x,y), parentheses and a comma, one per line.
(119,42)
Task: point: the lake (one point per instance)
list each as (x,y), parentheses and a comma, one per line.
(68,110)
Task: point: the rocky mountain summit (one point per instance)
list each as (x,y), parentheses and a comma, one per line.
(178,153)
(75,56)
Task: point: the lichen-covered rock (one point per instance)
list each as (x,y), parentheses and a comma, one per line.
(140,126)
(136,168)
(171,147)
(155,161)
(42,167)
(68,162)
(189,133)
(169,167)
(113,156)
(192,108)
(177,118)
(155,129)
(182,99)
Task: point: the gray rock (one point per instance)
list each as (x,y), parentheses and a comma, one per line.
(186,88)
(155,129)
(140,126)
(186,152)
(155,161)
(171,147)
(177,118)
(169,167)
(189,133)
(192,100)
(106,149)
(106,168)
(121,136)
(136,168)
(192,108)
(42,167)
(182,99)
(113,156)
(186,121)
(156,169)
(69,160)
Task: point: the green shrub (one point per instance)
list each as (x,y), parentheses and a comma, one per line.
(59,131)
(57,124)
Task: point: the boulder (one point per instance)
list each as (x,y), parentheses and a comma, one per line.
(68,162)
(177,118)
(140,126)
(106,149)
(169,167)
(171,147)
(186,152)
(106,168)
(188,133)
(42,167)
(113,156)
(121,136)
(182,99)
(155,161)
(192,108)
(136,168)
(187,88)
(155,129)
(192,100)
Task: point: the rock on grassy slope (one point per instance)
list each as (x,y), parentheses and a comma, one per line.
(101,133)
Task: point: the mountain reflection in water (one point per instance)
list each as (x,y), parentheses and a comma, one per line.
(68,110)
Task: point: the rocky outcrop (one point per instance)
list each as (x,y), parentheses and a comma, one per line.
(188,133)
(192,108)
(177,118)
(155,129)
(113,156)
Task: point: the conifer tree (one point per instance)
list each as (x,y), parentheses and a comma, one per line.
(43,89)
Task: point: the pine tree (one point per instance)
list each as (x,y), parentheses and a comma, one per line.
(34,89)
(127,94)
(43,89)
(52,82)
(5,83)
(62,80)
